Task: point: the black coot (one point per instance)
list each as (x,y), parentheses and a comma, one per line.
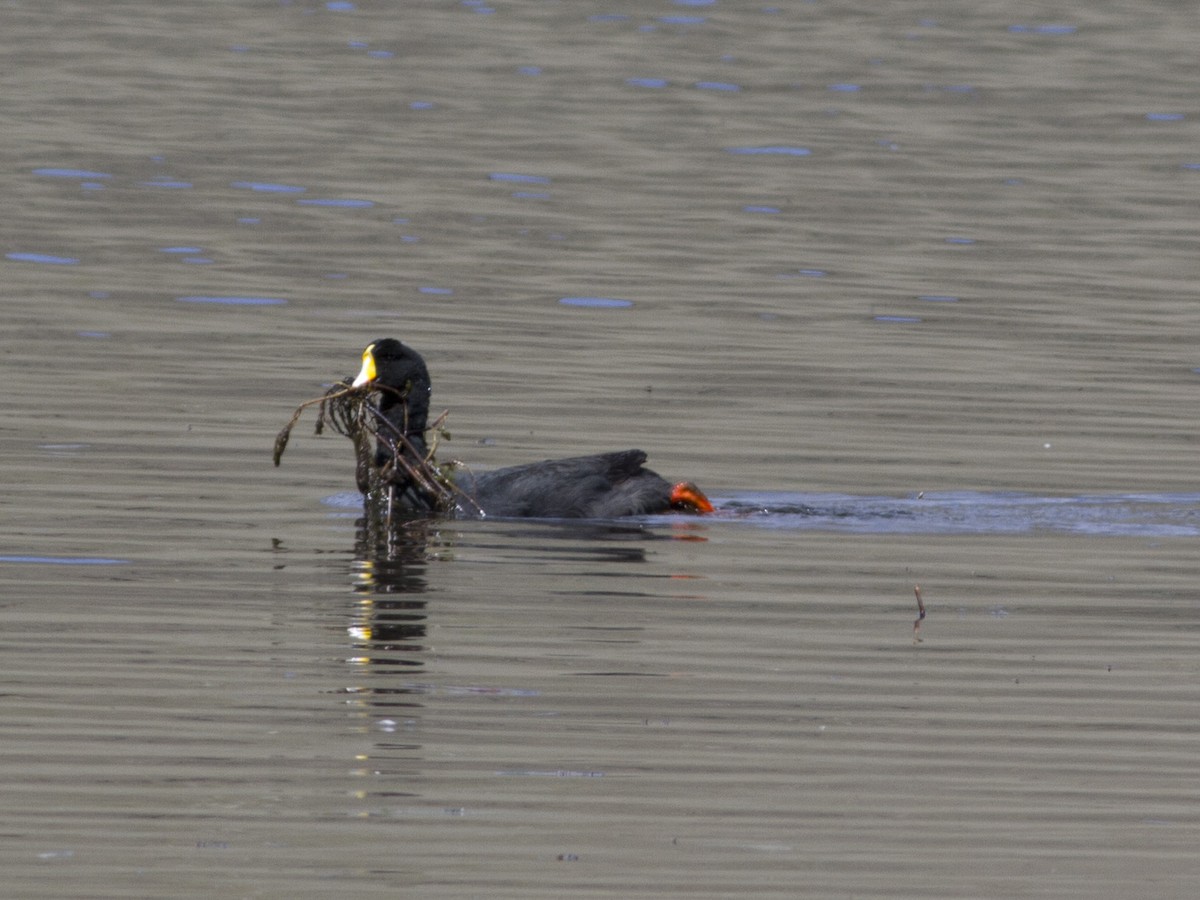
(605,485)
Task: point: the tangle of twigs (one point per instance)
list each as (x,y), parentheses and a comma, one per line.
(354,413)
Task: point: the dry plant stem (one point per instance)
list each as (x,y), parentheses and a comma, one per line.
(438,428)
(461,494)
(281,440)
(424,473)
(920,615)
(421,471)
(359,419)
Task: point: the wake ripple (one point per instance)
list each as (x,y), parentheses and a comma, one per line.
(968,512)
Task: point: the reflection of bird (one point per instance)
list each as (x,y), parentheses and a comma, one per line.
(602,486)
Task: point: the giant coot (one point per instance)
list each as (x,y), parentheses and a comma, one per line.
(605,485)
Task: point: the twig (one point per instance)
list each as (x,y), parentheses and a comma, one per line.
(421,471)
(920,615)
(351,413)
(335,393)
(425,472)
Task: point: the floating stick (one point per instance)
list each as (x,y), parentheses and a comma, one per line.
(920,615)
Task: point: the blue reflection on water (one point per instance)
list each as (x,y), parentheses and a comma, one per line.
(518,178)
(769,151)
(44,258)
(234,301)
(336,201)
(597,302)
(269,187)
(1043,29)
(71,173)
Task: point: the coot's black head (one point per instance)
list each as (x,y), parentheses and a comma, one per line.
(387,363)
(399,373)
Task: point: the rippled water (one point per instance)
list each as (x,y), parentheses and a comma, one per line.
(953,512)
(909,290)
(962,512)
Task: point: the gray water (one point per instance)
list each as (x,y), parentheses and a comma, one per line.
(950,512)
(908,290)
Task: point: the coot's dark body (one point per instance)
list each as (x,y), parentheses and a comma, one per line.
(605,485)
(602,486)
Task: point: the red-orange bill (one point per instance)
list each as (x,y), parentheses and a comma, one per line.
(686,497)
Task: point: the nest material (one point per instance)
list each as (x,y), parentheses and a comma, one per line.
(354,413)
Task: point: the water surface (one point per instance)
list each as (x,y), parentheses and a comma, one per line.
(216,683)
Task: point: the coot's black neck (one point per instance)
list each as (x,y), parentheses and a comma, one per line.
(406,405)
(404,393)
